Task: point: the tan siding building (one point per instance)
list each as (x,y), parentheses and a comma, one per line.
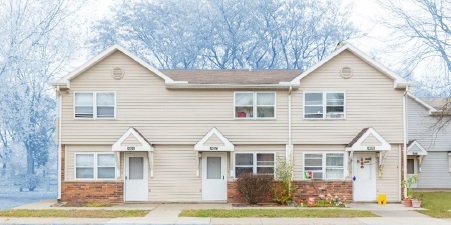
(185,136)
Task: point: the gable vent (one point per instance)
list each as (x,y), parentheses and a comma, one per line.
(346,72)
(118,73)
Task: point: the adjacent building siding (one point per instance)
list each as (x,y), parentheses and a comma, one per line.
(164,116)
(435,171)
(435,168)
(422,127)
(371,101)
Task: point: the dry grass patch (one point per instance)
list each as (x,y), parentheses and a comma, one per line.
(271,213)
(73,213)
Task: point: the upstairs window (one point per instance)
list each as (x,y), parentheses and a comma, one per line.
(95,105)
(255,105)
(324,105)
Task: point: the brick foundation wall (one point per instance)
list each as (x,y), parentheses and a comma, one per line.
(83,192)
(304,189)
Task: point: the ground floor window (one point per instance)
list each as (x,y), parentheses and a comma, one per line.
(324,165)
(256,163)
(449,161)
(94,166)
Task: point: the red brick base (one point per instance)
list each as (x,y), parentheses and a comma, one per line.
(83,192)
(304,189)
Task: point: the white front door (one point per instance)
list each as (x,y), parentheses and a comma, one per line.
(412,167)
(214,176)
(136,181)
(364,176)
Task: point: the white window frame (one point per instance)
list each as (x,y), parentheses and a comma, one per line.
(254,166)
(324,104)
(449,162)
(95,167)
(324,166)
(94,105)
(254,107)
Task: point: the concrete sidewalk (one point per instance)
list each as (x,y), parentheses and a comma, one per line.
(391,214)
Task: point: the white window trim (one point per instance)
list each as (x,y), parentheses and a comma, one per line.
(449,162)
(345,164)
(94,105)
(324,93)
(95,166)
(254,107)
(254,167)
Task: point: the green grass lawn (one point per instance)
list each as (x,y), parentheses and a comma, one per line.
(73,213)
(438,203)
(307,213)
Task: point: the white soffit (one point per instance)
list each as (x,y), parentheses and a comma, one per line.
(144,144)
(415,148)
(358,143)
(203,146)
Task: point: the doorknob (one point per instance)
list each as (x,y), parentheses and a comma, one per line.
(223,177)
(126,177)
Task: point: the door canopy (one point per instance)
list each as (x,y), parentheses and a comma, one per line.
(368,140)
(214,141)
(414,148)
(132,140)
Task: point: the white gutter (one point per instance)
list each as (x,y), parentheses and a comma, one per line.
(60,96)
(275,86)
(405,134)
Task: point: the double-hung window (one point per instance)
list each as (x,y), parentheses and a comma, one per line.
(95,166)
(95,105)
(256,163)
(324,105)
(324,166)
(449,161)
(255,105)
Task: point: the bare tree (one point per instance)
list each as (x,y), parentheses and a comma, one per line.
(36,46)
(227,34)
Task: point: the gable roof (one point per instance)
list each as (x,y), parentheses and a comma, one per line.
(66,79)
(411,148)
(399,82)
(356,143)
(145,144)
(232,76)
(423,103)
(201,145)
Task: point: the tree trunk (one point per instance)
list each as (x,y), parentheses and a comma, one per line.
(30,162)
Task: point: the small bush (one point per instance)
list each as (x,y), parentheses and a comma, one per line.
(30,182)
(254,188)
(283,191)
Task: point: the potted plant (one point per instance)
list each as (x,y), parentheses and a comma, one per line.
(417,200)
(408,184)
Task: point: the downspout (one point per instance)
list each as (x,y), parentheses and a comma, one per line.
(290,143)
(59,95)
(404,115)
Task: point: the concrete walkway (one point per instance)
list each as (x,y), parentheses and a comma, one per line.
(391,214)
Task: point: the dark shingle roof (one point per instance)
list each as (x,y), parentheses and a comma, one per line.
(356,138)
(232,76)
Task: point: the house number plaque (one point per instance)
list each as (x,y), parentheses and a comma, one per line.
(130,148)
(214,148)
(370,148)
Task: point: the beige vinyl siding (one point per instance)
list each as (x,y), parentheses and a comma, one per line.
(299,151)
(389,182)
(175,177)
(371,141)
(214,141)
(131,141)
(69,156)
(371,101)
(164,116)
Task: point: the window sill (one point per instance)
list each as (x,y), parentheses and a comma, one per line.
(95,181)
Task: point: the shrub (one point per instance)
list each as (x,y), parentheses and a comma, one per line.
(283,192)
(30,182)
(254,188)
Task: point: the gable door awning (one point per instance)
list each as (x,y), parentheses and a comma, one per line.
(369,140)
(213,141)
(414,148)
(133,141)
